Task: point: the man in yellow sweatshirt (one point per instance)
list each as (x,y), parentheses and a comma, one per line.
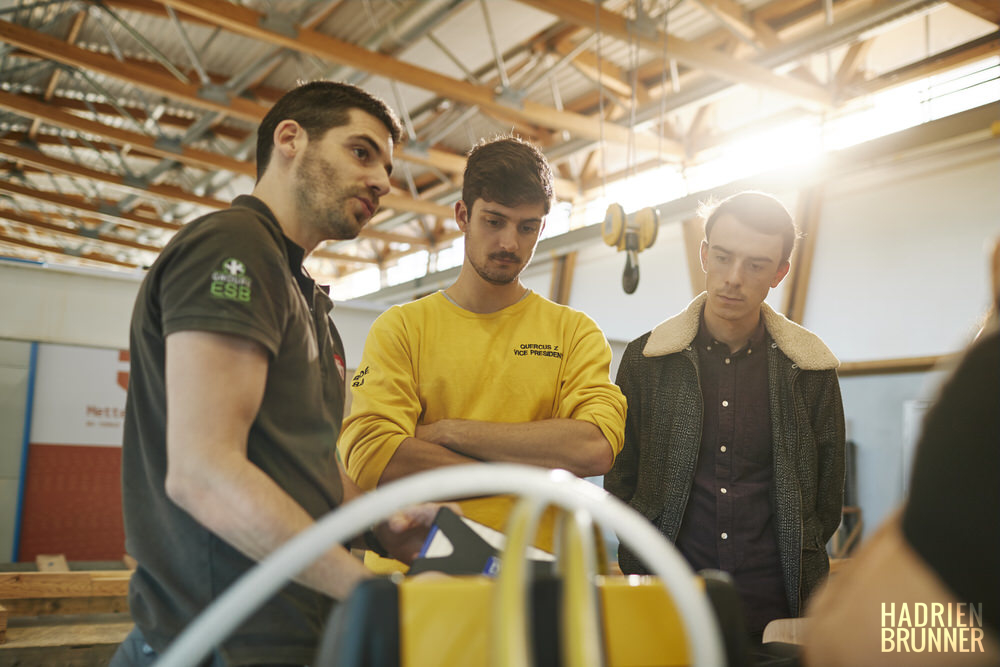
(486,370)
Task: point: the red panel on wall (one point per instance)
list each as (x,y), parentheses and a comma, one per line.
(73,503)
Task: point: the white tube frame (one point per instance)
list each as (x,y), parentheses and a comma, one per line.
(557,487)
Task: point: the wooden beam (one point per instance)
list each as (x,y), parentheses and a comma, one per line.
(562,278)
(77,235)
(141,77)
(892,366)
(250,23)
(65,606)
(691,54)
(605,72)
(192,157)
(984,47)
(59,252)
(850,66)
(988,10)
(46,139)
(50,87)
(170,192)
(184,154)
(140,113)
(693,230)
(342,257)
(108,212)
(736,17)
(173,193)
(810,207)
(81,583)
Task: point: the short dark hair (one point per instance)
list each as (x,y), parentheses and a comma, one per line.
(509,171)
(757,210)
(318,106)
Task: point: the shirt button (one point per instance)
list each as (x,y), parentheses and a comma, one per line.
(708,347)
(725,404)
(723,448)
(725,536)
(727,360)
(723,489)
(749,351)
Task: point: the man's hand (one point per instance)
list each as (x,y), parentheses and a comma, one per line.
(435,432)
(403,534)
(574,444)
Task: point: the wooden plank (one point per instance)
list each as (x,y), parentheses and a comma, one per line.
(693,230)
(51,563)
(3,623)
(110,632)
(111,604)
(562,278)
(22,585)
(797,289)
(890,366)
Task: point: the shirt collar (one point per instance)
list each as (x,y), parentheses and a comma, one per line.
(705,341)
(295,253)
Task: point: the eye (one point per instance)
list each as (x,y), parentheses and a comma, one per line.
(494,222)
(722,259)
(756,267)
(361,153)
(528,229)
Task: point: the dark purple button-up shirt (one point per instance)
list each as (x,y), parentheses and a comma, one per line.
(729,520)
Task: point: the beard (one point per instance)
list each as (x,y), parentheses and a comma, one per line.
(501,275)
(321,200)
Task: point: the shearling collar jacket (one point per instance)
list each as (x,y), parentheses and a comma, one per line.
(655,470)
(799,344)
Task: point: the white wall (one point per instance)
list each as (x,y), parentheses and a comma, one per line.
(900,270)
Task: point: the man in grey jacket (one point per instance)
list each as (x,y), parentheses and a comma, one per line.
(734,440)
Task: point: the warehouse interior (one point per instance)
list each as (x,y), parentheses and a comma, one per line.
(876,122)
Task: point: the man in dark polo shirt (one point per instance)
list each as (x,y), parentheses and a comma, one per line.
(236,390)
(734,440)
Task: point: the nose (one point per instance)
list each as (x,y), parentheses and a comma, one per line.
(508,238)
(378,181)
(735,274)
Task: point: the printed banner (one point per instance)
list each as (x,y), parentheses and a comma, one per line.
(72,487)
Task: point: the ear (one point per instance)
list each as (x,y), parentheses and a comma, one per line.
(289,139)
(781,273)
(704,256)
(461,215)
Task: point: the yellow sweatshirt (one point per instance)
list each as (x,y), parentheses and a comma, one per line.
(431,359)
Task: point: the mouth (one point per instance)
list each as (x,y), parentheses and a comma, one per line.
(729,299)
(368,205)
(505,259)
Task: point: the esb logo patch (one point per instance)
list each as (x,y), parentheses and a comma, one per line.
(230,281)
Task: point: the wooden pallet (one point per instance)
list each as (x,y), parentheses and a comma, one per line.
(60,617)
